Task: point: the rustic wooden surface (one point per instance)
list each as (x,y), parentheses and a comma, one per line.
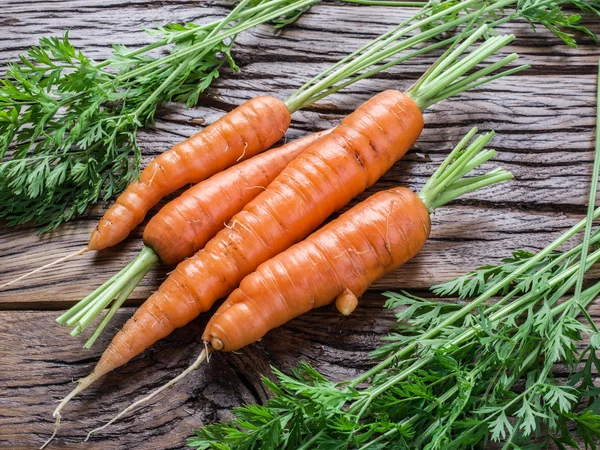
(544,122)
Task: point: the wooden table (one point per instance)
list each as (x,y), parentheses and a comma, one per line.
(544,121)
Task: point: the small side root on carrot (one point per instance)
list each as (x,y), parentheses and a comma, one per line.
(82,384)
(46,266)
(203,356)
(346,303)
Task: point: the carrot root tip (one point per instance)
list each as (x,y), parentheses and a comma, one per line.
(46,266)
(81,385)
(203,356)
(56,426)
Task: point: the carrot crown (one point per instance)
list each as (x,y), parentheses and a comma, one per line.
(449,75)
(120,285)
(448,182)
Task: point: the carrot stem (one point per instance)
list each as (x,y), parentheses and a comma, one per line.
(193,31)
(448,182)
(123,295)
(140,265)
(446,77)
(592,197)
(191,58)
(86,300)
(274,13)
(119,285)
(386,46)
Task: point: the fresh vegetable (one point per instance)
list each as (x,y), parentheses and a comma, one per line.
(247,130)
(339,75)
(68,125)
(340,261)
(184,225)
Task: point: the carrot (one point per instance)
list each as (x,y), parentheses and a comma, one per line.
(184,225)
(320,181)
(340,261)
(247,130)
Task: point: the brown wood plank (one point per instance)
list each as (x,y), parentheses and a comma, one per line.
(471,235)
(38,360)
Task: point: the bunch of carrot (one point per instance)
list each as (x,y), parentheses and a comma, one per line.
(246,131)
(245,227)
(381,234)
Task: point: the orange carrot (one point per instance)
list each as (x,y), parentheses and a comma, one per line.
(340,261)
(321,180)
(247,130)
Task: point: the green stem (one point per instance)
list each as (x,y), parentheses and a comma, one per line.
(193,57)
(272,12)
(444,78)
(183,35)
(372,54)
(592,198)
(141,264)
(216,39)
(441,170)
(85,301)
(471,185)
(92,304)
(449,172)
(123,295)
(447,182)
(386,3)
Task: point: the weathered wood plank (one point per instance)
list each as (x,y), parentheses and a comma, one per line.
(38,360)
(472,235)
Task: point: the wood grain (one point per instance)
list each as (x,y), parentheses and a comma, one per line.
(338,346)
(544,120)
